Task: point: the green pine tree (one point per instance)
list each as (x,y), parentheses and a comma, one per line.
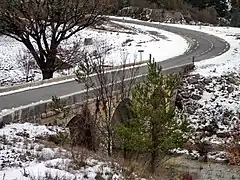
(155,128)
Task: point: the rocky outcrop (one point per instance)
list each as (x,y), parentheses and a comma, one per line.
(159,15)
(212,104)
(205,100)
(170,16)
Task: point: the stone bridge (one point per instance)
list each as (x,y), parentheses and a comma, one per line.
(41,112)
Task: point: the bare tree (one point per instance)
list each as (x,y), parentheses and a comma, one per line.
(85,69)
(27,64)
(107,83)
(42,25)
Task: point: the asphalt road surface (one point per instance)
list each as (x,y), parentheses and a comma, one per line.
(203,46)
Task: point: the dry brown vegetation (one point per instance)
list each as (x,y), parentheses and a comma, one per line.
(233,151)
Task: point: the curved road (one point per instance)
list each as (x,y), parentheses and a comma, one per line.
(203,46)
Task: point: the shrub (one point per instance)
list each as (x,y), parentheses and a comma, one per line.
(233,151)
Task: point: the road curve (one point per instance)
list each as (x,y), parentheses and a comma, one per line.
(203,46)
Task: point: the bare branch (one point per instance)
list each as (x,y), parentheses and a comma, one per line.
(106,84)
(48,23)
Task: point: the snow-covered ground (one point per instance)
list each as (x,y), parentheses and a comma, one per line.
(26,155)
(211,95)
(124,40)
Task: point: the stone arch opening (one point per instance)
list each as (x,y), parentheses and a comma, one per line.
(121,116)
(82,129)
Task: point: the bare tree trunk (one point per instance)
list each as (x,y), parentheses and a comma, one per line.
(47,73)
(154,150)
(107,82)
(43,25)
(27,78)
(109,145)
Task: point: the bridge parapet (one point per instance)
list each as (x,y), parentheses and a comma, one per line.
(41,113)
